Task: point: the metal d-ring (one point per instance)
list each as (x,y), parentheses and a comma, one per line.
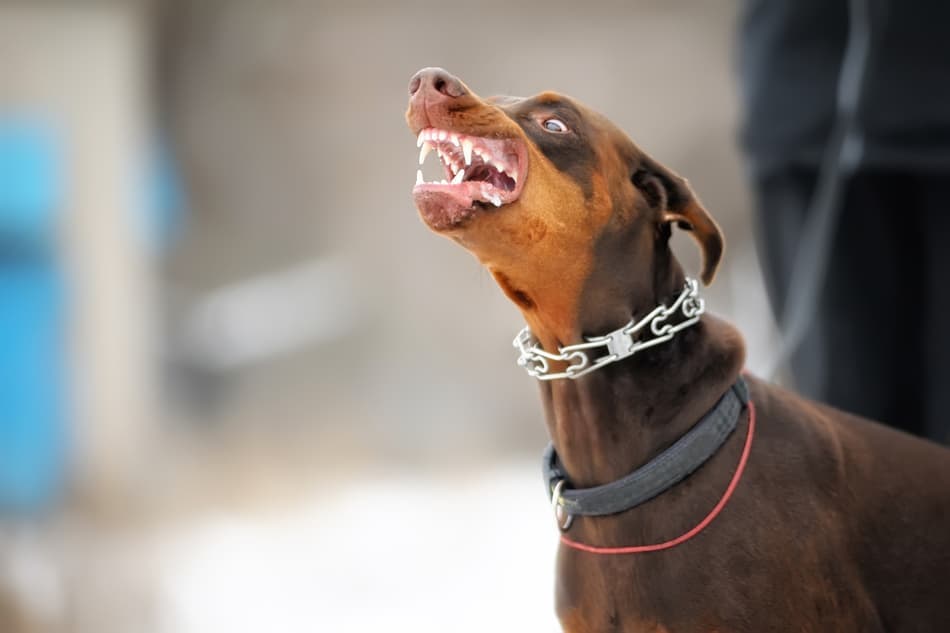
(563,524)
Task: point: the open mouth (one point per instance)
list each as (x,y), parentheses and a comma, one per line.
(480,173)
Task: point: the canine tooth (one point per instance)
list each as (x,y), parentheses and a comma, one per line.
(454,138)
(467,150)
(458,177)
(496,199)
(426,148)
(419,180)
(419,139)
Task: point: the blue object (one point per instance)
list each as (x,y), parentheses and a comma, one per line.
(31,182)
(161,202)
(32,429)
(32,319)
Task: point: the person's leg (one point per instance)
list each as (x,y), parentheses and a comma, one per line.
(850,354)
(933,303)
(867,304)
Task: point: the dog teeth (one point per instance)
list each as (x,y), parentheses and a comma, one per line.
(426,148)
(467,150)
(456,161)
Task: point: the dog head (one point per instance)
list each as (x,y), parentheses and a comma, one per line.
(570,217)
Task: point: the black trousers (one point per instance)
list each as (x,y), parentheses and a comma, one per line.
(880,343)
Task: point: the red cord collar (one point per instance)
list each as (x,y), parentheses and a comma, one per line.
(639,549)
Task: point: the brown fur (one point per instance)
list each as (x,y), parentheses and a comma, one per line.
(839,524)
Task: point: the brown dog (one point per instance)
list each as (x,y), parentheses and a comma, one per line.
(837,523)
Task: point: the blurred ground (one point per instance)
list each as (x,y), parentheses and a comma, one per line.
(348,445)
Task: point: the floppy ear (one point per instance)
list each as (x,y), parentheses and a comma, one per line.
(675,201)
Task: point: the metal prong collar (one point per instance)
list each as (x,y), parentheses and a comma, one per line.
(637,335)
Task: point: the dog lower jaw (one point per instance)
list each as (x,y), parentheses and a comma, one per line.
(445,207)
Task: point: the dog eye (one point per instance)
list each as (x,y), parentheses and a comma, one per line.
(554,125)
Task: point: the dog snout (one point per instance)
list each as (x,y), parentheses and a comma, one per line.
(435,83)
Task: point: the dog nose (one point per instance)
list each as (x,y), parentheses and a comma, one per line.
(435,80)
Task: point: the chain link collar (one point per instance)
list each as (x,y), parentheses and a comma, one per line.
(619,344)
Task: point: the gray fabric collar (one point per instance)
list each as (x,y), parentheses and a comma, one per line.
(661,473)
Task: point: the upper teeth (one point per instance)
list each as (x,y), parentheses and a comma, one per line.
(426,148)
(467,150)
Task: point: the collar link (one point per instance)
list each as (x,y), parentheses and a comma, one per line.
(619,344)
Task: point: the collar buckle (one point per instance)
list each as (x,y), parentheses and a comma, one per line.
(620,344)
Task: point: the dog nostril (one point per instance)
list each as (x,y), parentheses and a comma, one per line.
(449,86)
(414,84)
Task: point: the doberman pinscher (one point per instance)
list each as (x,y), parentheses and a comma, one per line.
(797,517)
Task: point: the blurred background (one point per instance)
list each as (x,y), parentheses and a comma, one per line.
(242,388)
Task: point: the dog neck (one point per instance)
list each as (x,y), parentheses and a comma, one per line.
(613,420)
